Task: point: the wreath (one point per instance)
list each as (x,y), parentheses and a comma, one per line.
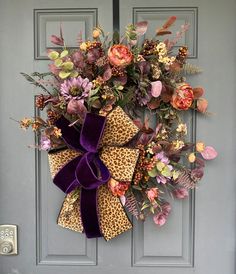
(115,131)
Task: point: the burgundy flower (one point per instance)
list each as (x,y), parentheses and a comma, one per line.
(180,193)
(161,217)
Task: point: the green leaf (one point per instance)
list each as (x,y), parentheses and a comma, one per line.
(116,37)
(152,209)
(136,187)
(120,87)
(127,98)
(93,92)
(41,75)
(92,99)
(34,82)
(145,206)
(153,173)
(175,174)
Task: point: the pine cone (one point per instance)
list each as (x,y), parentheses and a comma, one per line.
(149,47)
(182,54)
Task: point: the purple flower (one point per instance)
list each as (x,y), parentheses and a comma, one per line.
(197,174)
(161,157)
(180,193)
(78,59)
(76,88)
(45,143)
(161,179)
(143,97)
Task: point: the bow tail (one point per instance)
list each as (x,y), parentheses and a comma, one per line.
(89,212)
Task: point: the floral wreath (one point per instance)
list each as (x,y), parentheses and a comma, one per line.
(114,132)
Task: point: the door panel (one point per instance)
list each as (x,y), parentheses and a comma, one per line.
(196,228)
(200,235)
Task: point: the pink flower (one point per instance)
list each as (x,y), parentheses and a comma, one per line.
(180,193)
(209,153)
(161,179)
(161,217)
(76,107)
(152,193)
(156,88)
(202,105)
(161,156)
(120,55)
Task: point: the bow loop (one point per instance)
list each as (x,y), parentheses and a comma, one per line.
(92,131)
(119,129)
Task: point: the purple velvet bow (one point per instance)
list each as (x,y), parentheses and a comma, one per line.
(86,171)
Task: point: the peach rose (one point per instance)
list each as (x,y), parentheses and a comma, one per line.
(152,193)
(118,188)
(183,96)
(120,55)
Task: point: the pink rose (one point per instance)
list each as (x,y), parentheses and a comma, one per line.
(180,193)
(152,193)
(120,55)
(159,219)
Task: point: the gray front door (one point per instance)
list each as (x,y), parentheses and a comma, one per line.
(200,235)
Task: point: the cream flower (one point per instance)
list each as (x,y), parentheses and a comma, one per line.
(182,128)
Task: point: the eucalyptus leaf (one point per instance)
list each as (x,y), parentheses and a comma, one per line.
(64,53)
(64,74)
(58,62)
(74,74)
(68,65)
(153,173)
(160,165)
(53,55)
(166,172)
